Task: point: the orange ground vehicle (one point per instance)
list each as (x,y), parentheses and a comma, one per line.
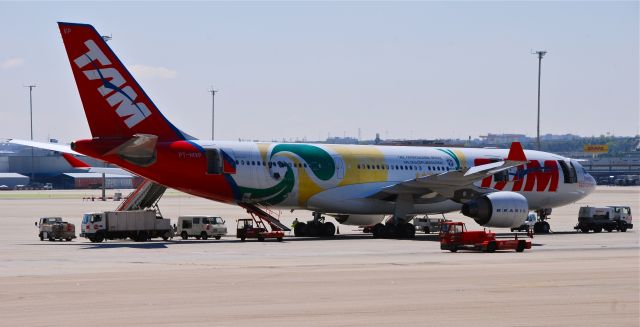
(255,228)
(454,236)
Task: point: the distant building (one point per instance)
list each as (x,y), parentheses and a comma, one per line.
(10,180)
(94,180)
(342,140)
(15,158)
(503,138)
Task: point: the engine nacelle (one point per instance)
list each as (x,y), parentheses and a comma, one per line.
(358,220)
(499,209)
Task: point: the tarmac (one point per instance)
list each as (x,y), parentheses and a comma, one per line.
(566,279)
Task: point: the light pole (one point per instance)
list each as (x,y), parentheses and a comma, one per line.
(31,87)
(213,111)
(540,54)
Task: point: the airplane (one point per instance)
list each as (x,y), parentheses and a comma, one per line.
(356,184)
(79,164)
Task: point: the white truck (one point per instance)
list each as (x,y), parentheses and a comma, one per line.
(139,225)
(428,225)
(201,227)
(528,224)
(53,228)
(607,218)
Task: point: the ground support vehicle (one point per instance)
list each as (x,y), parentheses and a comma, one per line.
(455,236)
(609,218)
(428,225)
(527,225)
(255,228)
(201,227)
(139,225)
(53,228)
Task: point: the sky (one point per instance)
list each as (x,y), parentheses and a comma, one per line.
(308,70)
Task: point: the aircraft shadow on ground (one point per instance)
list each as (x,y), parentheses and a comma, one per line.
(160,244)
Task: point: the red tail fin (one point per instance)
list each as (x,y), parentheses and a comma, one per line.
(74,162)
(114,103)
(516,153)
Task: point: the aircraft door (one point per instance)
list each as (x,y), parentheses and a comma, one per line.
(214,161)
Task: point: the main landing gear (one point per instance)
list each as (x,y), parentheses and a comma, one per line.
(393,229)
(315,228)
(542,226)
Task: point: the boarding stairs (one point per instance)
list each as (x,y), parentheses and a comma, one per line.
(265,214)
(146,196)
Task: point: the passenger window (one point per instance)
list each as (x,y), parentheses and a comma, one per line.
(196,221)
(186,224)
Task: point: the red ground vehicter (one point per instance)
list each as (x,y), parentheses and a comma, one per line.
(255,228)
(454,236)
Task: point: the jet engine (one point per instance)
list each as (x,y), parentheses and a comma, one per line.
(358,220)
(499,209)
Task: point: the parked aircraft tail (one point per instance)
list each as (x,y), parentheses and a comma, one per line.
(114,103)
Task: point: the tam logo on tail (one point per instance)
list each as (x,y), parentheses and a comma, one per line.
(122,99)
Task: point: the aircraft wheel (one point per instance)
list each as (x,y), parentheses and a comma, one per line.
(597,230)
(491,247)
(300,230)
(409,230)
(204,235)
(378,230)
(329,229)
(390,231)
(584,229)
(454,249)
(313,229)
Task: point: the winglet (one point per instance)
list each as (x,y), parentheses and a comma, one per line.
(516,153)
(74,162)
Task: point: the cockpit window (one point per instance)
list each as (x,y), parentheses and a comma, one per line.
(568,171)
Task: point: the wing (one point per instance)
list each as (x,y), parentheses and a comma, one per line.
(47,146)
(79,164)
(68,155)
(456,185)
